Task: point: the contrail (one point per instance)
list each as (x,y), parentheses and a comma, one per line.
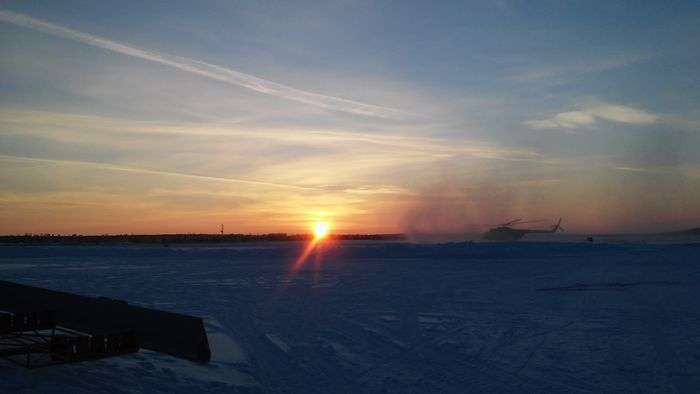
(113,167)
(211,71)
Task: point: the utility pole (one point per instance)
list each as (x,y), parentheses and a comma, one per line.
(222,229)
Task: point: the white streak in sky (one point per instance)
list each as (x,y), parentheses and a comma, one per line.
(211,71)
(112,167)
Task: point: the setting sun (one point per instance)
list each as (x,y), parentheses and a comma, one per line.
(321,229)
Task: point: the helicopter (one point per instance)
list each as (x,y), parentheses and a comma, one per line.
(506,232)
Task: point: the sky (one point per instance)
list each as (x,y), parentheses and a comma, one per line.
(378,116)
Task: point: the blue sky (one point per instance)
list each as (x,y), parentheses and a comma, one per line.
(378,116)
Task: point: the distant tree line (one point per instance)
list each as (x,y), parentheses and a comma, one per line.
(167,239)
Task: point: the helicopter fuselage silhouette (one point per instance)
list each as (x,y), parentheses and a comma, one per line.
(506,232)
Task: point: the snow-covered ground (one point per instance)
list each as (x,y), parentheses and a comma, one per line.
(390,317)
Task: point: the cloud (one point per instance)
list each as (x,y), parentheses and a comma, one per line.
(310,162)
(211,71)
(623,114)
(76,128)
(689,172)
(574,67)
(590,115)
(112,167)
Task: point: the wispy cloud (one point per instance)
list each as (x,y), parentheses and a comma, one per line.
(571,68)
(589,116)
(690,172)
(112,167)
(74,128)
(219,73)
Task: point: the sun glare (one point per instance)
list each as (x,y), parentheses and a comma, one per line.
(321,229)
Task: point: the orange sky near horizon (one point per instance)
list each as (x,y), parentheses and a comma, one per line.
(88,199)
